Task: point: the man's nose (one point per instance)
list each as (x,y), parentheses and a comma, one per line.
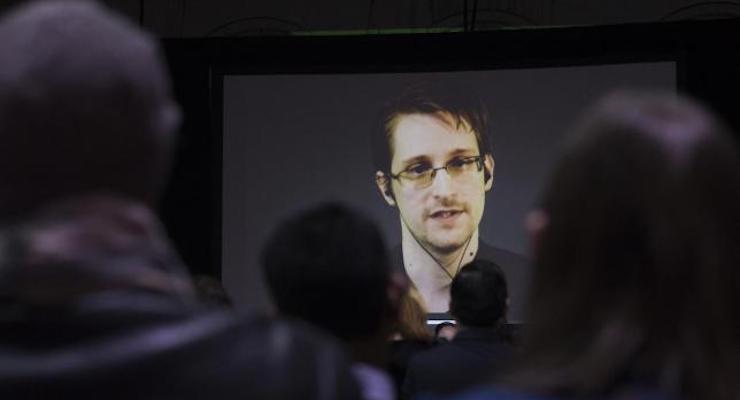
(442,184)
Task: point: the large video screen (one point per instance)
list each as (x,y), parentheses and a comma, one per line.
(293,141)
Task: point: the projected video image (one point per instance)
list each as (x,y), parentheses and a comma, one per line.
(434,165)
(448,163)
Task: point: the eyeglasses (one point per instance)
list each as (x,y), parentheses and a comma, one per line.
(421,175)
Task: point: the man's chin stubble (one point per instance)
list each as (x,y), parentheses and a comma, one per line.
(446,248)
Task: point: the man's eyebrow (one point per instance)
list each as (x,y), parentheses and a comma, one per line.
(462,152)
(414,160)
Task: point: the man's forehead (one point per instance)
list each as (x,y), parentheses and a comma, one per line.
(431,135)
(447,119)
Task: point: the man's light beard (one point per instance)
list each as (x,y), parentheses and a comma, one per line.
(447,245)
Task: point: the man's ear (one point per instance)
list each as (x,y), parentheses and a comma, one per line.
(384,186)
(536,223)
(488,168)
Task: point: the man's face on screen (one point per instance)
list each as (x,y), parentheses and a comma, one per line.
(444,213)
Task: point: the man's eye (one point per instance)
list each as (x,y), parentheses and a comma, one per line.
(418,169)
(459,162)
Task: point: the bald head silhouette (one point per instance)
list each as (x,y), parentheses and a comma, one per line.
(85,107)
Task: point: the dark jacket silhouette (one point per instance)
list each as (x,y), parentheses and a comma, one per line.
(473,357)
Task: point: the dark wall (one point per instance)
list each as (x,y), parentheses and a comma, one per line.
(198,18)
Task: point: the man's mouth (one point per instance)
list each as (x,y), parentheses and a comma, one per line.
(445,214)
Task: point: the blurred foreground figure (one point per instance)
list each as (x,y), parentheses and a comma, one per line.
(329,266)
(637,248)
(479,302)
(93,301)
(411,335)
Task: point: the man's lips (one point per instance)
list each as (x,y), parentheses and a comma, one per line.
(445,214)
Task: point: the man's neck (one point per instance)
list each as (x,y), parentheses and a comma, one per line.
(431,271)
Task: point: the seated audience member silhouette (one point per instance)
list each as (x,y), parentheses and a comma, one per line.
(445,331)
(478,302)
(94,302)
(329,266)
(636,248)
(412,335)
